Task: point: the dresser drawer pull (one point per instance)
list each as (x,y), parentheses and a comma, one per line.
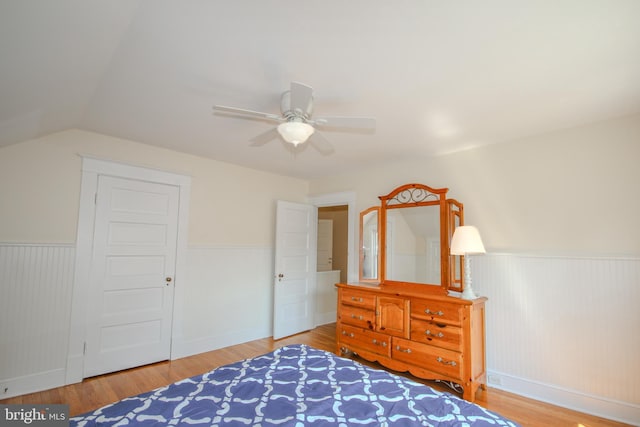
(357,299)
(439,312)
(404,350)
(446,362)
(348,334)
(431,334)
(353,316)
(376,342)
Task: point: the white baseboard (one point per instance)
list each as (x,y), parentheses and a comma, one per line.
(40,381)
(590,404)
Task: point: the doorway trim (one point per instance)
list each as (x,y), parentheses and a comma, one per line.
(338,199)
(91,169)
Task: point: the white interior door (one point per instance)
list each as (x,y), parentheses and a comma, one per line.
(132,271)
(295,268)
(325,245)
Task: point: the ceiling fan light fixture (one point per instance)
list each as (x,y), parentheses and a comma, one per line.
(295,132)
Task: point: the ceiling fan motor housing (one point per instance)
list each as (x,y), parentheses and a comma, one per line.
(295,115)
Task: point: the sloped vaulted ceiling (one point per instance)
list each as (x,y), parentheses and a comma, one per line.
(439,76)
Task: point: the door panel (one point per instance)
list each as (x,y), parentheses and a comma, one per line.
(295,269)
(132,269)
(127,233)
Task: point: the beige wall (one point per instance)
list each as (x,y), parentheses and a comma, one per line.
(40,190)
(220,302)
(557,214)
(572,191)
(569,192)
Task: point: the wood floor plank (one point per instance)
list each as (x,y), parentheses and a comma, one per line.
(96,392)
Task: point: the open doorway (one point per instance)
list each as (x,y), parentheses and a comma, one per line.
(339,225)
(333,259)
(327,294)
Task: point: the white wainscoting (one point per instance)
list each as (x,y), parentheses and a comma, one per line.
(326,296)
(564,330)
(228,299)
(559,329)
(35,304)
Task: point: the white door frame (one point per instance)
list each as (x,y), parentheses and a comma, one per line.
(91,169)
(338,199)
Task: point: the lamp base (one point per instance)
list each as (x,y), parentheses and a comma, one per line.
(468,293)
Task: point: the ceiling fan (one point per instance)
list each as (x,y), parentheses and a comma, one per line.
(296,124)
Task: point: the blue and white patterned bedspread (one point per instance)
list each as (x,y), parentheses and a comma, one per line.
(293,386)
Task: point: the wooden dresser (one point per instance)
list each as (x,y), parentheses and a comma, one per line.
(404,328)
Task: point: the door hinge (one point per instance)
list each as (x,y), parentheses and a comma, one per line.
(95,199)
(84,348)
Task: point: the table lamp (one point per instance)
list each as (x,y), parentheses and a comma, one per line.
(466,241)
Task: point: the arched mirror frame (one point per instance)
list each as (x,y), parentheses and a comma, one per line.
(414,195)
(370,278)
(456,262)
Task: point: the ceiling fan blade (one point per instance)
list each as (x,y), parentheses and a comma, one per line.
(321,144)
(264,137)
(244,112)
(366,123)
(301,97)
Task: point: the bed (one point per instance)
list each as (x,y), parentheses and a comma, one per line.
(295,385)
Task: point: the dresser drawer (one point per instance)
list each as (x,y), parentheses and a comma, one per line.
(358,299)
(437,311)
(433,333)
(357,316)
(440,360)
(356,338)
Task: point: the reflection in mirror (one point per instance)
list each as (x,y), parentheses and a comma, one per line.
(413,245)
(369,251)
(456,267)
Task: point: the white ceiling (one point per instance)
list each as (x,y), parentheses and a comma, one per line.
(439,76)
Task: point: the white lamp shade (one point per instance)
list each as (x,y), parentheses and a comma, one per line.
(466,240)
(295,132)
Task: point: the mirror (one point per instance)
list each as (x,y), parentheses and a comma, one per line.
(369,240)
(414,235)
(406,240)
(413,245)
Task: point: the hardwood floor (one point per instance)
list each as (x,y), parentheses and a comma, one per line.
(98,391)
